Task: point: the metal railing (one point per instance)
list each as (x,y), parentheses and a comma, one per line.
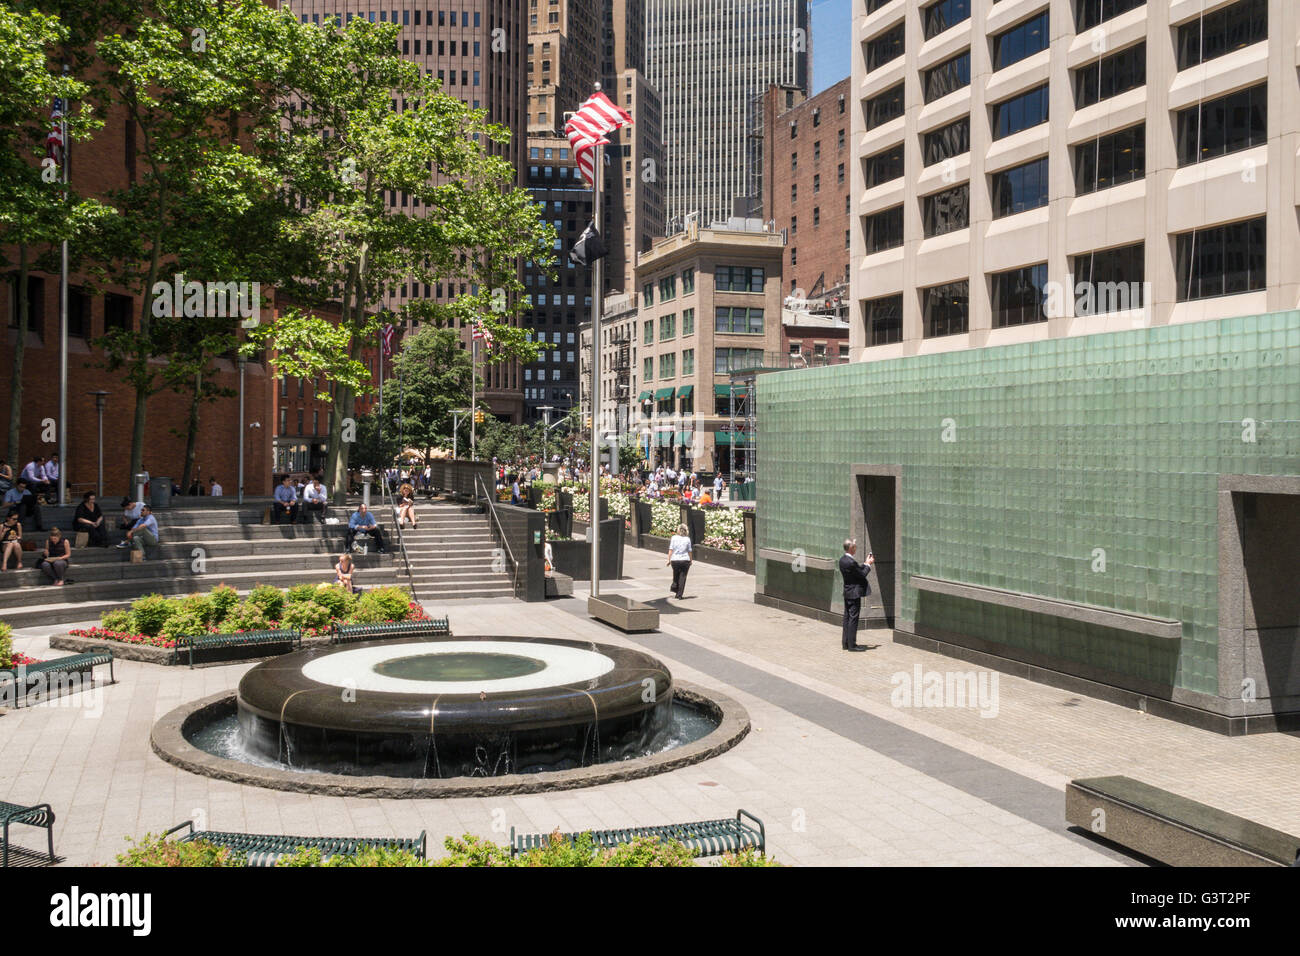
(387,497)
(490,498)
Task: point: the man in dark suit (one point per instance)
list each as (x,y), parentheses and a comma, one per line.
(856,587)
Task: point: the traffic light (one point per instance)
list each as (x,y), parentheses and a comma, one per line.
(586,422)
(478,418)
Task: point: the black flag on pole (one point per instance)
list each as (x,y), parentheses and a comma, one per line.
(588,248)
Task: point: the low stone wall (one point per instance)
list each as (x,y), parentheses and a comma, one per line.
(149,654)
(702,553)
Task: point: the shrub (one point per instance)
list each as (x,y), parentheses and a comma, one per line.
(647,851)
(746,857)
(300,592)
(246,617)
(198,605)
(222,599)
(184,623)
(305,615)
(6,645)
(382,604)
(470,850)
(371,856)
(118,619)
(150,613)
(156,851)
(338,601)
(270,599)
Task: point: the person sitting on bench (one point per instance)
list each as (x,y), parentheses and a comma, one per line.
(363,522)
(286,502)
(90,520)
(315,500)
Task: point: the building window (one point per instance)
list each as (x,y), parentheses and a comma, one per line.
(668,327)
(946,211)
(1021,41)
(882,108)
(1020,112)
(884,319)
(688,322)
(1020,188)
(1224,260)
(730,360)
(668,365)
(947,77)
(1226,125)
(647,295)
(1019,296)
(648,369)
(794,225)
(688,365)
(946,309)
(1221,32)
(1089,13)
(738,320)
(284,421)
(794,162)
(117,312)
(648,332)
(1109,280)
(1111,76)
(688,281)
(940,16)
(667,288)
(817,183)
(1110,160)
(946,142)
(794,193)
(738,279)
(885,48)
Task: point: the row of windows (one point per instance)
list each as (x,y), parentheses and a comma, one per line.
(1213,262)
(668,327)
(668,288)
(668,366)
(1213,128)
(464,17)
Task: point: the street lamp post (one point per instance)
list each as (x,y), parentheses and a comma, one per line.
(240,492)
(456,415)
(546,427)
(100,397)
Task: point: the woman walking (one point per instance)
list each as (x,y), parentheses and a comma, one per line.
(679,556)
(55,557)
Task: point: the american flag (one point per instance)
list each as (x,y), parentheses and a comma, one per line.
(54,138)
(389,333)
(586,130)
(484,334)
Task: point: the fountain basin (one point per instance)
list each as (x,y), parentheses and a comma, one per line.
(483,706)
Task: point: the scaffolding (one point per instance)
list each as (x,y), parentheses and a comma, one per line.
(743,425)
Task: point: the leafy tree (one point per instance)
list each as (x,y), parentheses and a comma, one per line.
(431,377)
(344,149)
(36,211)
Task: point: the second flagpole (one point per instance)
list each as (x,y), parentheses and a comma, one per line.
(596,304)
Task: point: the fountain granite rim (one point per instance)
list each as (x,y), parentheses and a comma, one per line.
(169,742)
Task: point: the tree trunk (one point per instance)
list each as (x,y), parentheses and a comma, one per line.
(20,346)
(192,434)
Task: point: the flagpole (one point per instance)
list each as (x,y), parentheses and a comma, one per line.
(473,396)
(594,524)
(63,321)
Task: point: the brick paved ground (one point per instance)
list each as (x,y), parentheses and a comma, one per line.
(838,774)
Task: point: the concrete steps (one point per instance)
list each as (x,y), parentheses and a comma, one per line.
(451,555)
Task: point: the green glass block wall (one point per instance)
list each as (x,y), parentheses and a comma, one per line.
(1022,464)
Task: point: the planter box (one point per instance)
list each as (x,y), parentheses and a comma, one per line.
(561,523)
(574,557)
(642,518)
(623,612)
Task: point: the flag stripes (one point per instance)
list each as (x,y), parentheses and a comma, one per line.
(587,127)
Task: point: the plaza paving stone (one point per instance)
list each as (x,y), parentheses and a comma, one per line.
(839,775)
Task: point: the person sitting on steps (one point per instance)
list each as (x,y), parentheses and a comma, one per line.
(315,500)
(286,502)
(143,532)
(11,536)
(90,520)
(56,557)
(20,497)
(343,572)
(406,506)
(130,513)
(363,522)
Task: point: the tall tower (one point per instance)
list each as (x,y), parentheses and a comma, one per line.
(708,59)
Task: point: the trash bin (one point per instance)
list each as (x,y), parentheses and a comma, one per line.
(160,491)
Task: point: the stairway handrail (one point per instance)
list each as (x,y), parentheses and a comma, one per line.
(501,532)
(401,542)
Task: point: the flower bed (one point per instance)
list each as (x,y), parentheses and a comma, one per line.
(313,609)
(8,656)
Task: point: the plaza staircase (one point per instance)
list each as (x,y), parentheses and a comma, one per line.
(201,546)
(452,553)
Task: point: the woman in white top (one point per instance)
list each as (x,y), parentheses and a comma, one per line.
(679,556)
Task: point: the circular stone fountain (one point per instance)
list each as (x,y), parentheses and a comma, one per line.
(454,708)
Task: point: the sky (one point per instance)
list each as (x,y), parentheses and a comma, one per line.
(832,42)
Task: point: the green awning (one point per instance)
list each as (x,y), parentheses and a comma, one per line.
(684,438)
(725,438)
(722,391)
(685,391)
(662,393)
(664,439)
(644,395)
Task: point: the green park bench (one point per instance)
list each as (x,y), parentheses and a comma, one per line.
(706,837)
(394,630)
(38,816)
(22,675)
(261,849)
(292,637)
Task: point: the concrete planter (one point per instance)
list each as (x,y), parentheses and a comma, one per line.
(642,518)
(574,557)
(623,613)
